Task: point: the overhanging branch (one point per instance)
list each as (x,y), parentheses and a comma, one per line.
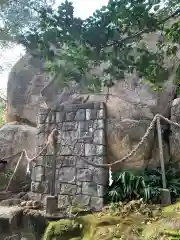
(123,40)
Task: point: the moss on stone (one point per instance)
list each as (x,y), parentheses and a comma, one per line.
(171,210)
(76,210)
(63,228)
(161,224)
(165,228)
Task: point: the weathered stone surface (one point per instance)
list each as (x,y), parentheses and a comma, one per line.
(98,124)
(64,200)
(69,161)
(101,114)
(40,187)
(66,150)
(70,126)
(81,200)
(67,174)
(83,126)
(84,175)
(69,189)
(13,139)
(80,115)
(154,161)
(79,149)
(99,137)
(81,163)
(37,173)
(70,116)
(100,176)
(123,136)
(90,150)
(60,116)
(48,173)
(51,204)
(175,131)
(100,150)
(26,80)
(35,196)
(90,188)
(57,186)
(91,114)
(74,178)
(96,203)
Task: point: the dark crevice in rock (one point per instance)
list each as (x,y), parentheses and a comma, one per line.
(165,135)
(24,121)
(27,122)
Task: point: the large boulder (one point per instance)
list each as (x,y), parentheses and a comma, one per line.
(26,80)
(175,131)
(130,109)
(13,139)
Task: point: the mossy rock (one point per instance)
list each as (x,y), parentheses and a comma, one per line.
(63,229)
(165,228)
(171,210)
(106,225)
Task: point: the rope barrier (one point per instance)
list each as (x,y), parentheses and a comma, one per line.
(144,138)
(51,136)
(109,165)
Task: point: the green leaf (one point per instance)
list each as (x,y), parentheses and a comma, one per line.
(156,7)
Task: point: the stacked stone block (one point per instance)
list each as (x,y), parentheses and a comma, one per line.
(81,136)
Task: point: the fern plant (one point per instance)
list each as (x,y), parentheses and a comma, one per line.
(153,178)
(128,185)
(146,184)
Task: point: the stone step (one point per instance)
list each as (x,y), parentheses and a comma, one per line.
(9,217)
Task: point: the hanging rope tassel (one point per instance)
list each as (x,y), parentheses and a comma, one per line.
(110,176)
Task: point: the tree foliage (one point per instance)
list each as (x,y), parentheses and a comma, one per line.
(18,15)
(74,48)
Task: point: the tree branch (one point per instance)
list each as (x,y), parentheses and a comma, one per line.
(119,42)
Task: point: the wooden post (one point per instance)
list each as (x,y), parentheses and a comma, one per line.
(165,193)
(52,201)
(161,155)
(53,181)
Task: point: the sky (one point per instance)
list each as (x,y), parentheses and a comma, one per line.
(8,57)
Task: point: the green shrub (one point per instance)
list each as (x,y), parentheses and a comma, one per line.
(147,184)
(128,185)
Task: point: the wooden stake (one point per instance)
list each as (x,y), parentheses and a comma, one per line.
(15,170)
(53,182)
(161,155)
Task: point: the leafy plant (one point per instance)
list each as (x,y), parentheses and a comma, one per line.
(128,185)
(75,48)
(153,179)
(147,184)
(18,15)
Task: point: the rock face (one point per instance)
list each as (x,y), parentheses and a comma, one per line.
(175,131)
(131,106)
(14,138)
(26,80)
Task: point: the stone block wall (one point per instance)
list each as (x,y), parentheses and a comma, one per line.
(81,136)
